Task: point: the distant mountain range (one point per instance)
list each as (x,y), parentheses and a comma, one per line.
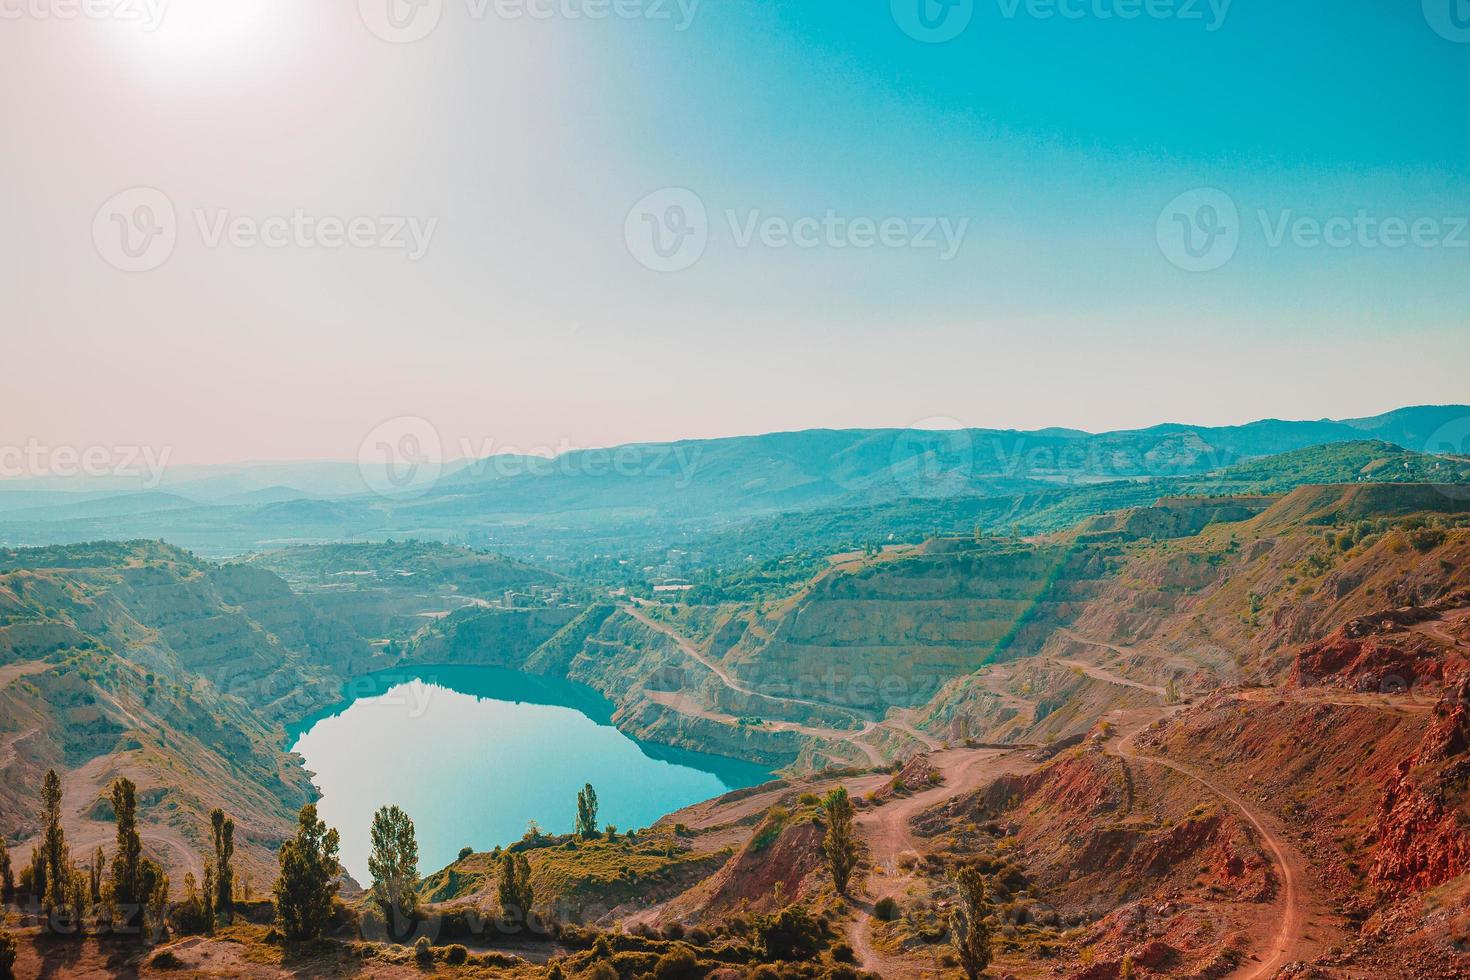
(607,498)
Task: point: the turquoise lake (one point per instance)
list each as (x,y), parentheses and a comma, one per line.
(474,753)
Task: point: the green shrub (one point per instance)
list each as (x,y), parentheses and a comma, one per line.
(886,909)
(422,950)
(456,954)
(790,934)
(677,964)
(465,852)
(1426,538)
(7,955)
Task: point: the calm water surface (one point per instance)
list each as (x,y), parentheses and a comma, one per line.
(474,753)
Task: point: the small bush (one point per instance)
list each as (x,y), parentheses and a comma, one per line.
(465,852)
(7,955)
(456,954)
(677,964)
(790,934)
(1426,538)
(842,953)
(422,950)
(162,960)
(886,909)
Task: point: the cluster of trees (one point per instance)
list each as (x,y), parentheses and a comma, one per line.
(214,904)
(130,892)
(126,895)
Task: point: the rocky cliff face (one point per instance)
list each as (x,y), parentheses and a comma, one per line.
(138,659)
(1423,827)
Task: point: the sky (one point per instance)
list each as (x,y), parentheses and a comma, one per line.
(267,230)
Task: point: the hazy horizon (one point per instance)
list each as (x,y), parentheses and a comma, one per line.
(468,449)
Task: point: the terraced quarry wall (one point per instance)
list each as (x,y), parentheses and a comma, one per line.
(892,632)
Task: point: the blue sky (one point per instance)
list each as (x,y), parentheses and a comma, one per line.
(1062,153)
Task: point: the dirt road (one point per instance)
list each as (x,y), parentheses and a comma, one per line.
(80,791)
(685,705)
(886,831)
(14,672)
(725,676)
(682,703)
(1102,674)
(1291,867)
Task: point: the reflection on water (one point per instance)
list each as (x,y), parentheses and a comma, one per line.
(474,753)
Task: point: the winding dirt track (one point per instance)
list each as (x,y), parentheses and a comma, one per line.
(1289,863)
(886,828)
(725,676)
(685,705)
(1099,673)
(886,831)
(14,672)
(80,790)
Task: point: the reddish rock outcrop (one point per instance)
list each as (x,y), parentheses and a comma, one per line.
(1421,838)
